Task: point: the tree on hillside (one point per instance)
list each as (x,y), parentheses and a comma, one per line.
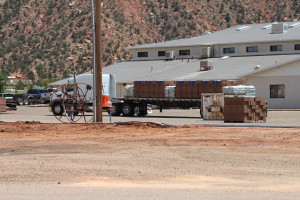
(66,74)
(30,75)
(20,85)
(3,78)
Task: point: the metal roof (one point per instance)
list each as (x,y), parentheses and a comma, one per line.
(223,69)
(253,33)
(268,67)
(65,81)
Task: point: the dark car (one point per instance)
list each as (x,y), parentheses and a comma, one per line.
(33,96)
(38,96)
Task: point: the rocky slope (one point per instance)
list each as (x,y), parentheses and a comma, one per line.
(48,38)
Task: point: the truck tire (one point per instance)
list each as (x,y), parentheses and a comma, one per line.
(57,109)
(115,110)
(26,101)
(143,113)
(42,100)
(30,101)
(143,110)
(20,102)
(128,109)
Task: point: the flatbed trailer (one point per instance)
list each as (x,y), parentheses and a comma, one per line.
(138,105)
(11,104)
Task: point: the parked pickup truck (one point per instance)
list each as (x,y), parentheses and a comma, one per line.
(33,96)
(10,102)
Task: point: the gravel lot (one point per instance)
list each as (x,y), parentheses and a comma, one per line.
(142,161)
(147,161)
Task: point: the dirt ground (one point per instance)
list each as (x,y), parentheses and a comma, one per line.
(147,161)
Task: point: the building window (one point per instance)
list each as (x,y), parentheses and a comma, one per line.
(277,91)
(184,52)
(276,48)
(297,46)
(142,54)
(161,53)
(229,50)
(252,49)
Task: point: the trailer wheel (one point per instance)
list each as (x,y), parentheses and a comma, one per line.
(143,109)
(128,109)
(143,113)
(115,110)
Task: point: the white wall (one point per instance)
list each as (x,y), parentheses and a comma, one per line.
(263,49)
(289,75)
(240,50)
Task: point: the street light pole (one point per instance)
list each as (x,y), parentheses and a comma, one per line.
(98,62)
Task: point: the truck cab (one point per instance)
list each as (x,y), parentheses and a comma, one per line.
(85,85)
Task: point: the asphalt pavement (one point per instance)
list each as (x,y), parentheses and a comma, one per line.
(41,113)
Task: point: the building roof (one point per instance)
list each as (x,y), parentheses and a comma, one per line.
(223,68)
(16,75)
(254,33)
(65,81)
(276,65)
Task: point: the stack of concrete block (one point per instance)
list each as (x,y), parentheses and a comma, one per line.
(245,109)
(151,89)
(184,89)
(194,89)
(139,88)
(2,104)
(260,110)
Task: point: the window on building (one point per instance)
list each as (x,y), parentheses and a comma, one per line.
(142,54)
(276,48)
(252,49)
(184,52)
(229,50)
(161,53)
(297,46)
(277,91)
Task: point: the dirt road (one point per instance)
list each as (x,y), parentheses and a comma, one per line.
(147,161)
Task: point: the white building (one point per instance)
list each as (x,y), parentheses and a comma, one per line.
(264,55)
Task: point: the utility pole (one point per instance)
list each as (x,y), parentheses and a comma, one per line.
(94,52)
(98,62)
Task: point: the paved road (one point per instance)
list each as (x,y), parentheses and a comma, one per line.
(172,116)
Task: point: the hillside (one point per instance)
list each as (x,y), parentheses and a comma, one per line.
(49,38)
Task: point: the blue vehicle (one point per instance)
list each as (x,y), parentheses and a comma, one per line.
(33,96)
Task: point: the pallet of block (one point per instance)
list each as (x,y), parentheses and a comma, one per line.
(245,110)
(151,89)
(194,89)
(2,104)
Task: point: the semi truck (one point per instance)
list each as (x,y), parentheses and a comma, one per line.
(140,97)
(85,85)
